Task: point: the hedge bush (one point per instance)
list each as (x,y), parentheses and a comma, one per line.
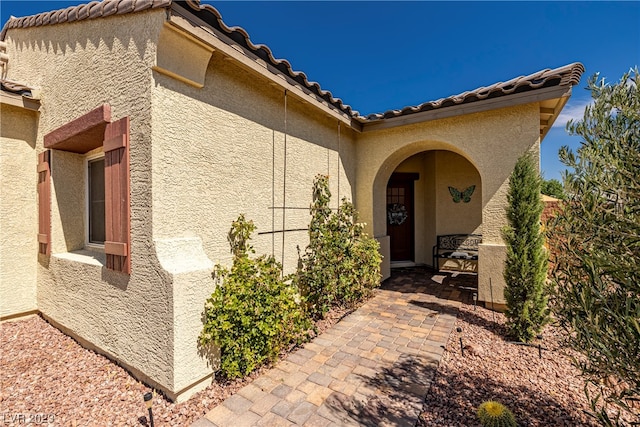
(253,314)
(341,265)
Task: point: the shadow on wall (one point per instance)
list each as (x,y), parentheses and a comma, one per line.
(208,352)
(232,89)
(52,40)
(20,124)
(115,278)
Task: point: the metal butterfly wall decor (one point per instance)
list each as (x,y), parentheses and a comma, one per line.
(465,195)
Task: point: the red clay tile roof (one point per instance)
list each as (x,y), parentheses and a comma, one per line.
(211,16)
(95,9)
(569,75)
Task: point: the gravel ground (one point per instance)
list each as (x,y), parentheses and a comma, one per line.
(46,372)
(47,376)
(539,391)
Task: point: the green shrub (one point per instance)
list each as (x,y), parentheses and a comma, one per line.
(553,188)
(525,269)
(253,314)
(495,414)
(341,265)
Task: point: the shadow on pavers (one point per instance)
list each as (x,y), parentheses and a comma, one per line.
(393,396)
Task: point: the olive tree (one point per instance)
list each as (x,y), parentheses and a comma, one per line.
(596,245)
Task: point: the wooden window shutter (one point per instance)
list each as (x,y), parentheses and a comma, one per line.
(44,203)
(116,192)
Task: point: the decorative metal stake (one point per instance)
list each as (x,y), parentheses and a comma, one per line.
(459,330)
(148,401)
(539,351)
(493,307)
(539,346)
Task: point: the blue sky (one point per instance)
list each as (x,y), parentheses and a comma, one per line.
(377,56)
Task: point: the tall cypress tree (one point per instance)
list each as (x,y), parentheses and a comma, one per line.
(526,265)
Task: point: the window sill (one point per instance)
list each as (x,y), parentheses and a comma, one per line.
(84,256)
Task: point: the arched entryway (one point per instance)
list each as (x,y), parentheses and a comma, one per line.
(427,194)
(473,149)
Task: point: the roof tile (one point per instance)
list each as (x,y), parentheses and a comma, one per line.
(108,8)
(126,6)
(95,9)
(564,76)
(142,5)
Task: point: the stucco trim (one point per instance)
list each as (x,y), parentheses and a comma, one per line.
(83,134)
(19,101)
(182,56)
(19,316)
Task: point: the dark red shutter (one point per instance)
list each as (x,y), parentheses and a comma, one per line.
(116,192)
(44,203)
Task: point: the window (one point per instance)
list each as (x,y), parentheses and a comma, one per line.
(95,208)
(107,211)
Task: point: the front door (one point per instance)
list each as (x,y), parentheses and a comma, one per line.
(400,216)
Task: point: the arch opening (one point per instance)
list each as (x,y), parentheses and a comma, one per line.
(421,196)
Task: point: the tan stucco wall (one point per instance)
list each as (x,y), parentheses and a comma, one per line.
(191,153)
(224,156)
(190,272)
(430,214)
(219,152)
(18,210)
(491,141)
(77,67)
(453,170)
(68,197)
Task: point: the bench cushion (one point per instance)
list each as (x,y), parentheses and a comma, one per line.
(457,255)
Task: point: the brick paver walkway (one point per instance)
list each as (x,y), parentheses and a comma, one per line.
(373,368)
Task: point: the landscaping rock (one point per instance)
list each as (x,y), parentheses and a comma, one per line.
(543,391)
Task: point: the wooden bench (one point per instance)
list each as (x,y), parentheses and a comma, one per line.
(456,246)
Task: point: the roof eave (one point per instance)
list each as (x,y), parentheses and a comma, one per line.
(537,95)
(188,22)
(546,125)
